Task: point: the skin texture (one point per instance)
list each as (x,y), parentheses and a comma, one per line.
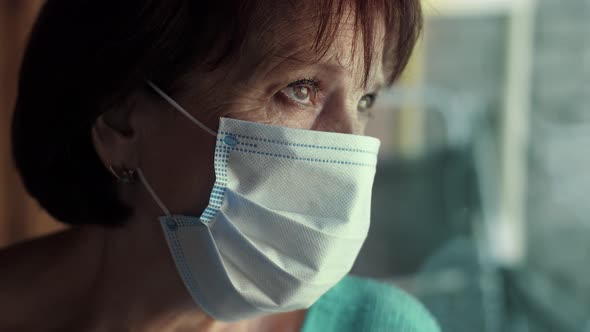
(124,279)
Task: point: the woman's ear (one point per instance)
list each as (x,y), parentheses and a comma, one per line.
(115,139)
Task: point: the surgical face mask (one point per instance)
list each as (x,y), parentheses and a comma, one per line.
(286,218)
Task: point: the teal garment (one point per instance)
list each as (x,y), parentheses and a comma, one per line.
(362,305)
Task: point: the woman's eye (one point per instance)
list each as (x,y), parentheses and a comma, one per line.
(303,92)
(366,102)
(300,94)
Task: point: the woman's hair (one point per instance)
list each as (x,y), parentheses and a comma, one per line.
(86,56)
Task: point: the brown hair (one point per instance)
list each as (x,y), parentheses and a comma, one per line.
(86,55)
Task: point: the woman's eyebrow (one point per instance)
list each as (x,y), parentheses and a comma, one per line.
(378,86)
(328,67)
(278,63)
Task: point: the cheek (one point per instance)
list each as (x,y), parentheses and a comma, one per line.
(255,100)
(177,160)
(273,112)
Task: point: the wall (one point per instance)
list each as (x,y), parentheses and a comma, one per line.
(20,217)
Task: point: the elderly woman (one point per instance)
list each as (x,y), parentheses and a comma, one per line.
(210,157)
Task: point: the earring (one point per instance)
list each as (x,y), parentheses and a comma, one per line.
(123,175)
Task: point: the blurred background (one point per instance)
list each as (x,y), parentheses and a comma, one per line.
(480,197)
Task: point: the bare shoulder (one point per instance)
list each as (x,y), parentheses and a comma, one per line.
(22,262)
(26,273)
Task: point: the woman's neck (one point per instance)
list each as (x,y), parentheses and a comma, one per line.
(136,283)
(137,287)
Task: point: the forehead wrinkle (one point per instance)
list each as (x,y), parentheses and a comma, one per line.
(353,63)
(282,45)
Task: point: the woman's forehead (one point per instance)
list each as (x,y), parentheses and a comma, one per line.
(333,43)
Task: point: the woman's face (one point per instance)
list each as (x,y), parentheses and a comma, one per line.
(277,79)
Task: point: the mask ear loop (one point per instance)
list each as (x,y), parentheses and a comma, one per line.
(153,193)
(180,109)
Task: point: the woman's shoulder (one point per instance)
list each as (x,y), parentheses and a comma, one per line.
(360,304)
(26,271)
(27,258)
